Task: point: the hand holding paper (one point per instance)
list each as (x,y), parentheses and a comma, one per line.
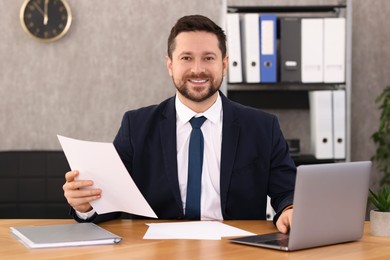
(101,163)
(79,193)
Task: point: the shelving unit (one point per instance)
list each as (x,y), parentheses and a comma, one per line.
(283,96)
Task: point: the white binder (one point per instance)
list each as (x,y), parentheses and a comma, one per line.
(234,48)
(312,49)
(339,129)
(321,124)
(251,47)
(334,50)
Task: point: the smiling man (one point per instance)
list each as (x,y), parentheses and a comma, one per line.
(198,155)
(197,67)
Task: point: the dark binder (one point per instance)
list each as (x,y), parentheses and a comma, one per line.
(290,49)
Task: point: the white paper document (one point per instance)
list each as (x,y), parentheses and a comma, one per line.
(101,163)
(202,230)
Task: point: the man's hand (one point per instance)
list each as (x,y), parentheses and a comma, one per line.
(284,222)
(77,197)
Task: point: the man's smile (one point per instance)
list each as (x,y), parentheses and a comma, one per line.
(198,81)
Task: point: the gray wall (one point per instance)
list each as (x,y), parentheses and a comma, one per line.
(113,59)
(370,73)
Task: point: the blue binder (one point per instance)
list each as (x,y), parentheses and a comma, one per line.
(268,51)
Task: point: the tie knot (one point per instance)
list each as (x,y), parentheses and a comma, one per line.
(197,122)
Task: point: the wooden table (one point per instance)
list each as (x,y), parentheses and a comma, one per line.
(134,247)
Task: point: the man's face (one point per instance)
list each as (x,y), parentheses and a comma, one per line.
(197,67)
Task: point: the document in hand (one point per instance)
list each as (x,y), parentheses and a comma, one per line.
(101,163)
(80,234)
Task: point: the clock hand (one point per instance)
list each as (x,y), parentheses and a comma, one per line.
(45,17)
(39,9)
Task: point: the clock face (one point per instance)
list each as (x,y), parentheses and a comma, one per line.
(46,20)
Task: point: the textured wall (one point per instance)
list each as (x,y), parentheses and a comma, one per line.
(370,73)
(111,60)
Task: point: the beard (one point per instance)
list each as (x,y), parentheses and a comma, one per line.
(198,94)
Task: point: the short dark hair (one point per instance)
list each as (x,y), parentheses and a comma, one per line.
(193,23)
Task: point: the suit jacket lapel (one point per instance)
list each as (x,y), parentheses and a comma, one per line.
(168,142)
(230,135)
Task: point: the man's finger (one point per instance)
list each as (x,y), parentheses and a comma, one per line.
(71,175)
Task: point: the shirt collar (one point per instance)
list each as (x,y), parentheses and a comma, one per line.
(185,114)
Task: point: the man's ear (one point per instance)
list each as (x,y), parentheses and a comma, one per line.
(225,62)
(169,65)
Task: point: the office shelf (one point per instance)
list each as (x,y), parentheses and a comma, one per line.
(283,96)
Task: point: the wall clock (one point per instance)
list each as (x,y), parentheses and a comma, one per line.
(46,20)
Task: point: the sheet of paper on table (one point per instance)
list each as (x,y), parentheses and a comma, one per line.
(204,230)
(101,163)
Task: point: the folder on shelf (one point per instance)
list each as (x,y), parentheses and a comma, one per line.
(312,50)
(334,50)
(234,48)
(268,51)
(339,124)
(321,124)
(290,49)
(251,47)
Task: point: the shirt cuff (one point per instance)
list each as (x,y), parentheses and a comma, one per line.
(85,215)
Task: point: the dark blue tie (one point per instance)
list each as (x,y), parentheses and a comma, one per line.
(195,162)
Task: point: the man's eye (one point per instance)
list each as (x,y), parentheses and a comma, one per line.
(209,58)
(187,58)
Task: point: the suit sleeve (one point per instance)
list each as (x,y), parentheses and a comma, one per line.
(282,173)
(123,143)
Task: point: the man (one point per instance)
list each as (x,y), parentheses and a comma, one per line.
(245,157)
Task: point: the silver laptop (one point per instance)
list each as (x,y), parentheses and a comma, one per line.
(329,207)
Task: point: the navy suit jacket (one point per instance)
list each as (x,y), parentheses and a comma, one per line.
(255,161)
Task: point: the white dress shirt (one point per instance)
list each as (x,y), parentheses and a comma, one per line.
(210,201)
(212,135)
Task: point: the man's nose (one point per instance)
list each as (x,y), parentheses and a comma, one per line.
(198,67)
